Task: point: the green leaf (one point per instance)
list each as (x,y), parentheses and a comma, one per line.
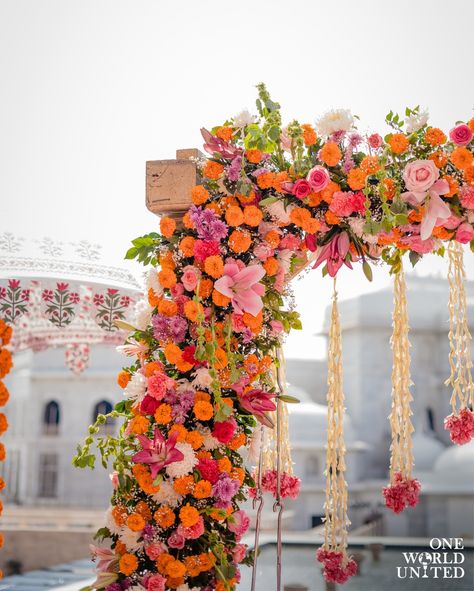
(268,200)
(131,253)
(288,398)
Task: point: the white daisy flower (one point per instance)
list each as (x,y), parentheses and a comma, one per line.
(186,465)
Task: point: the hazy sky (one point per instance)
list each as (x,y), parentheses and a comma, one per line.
(91,89)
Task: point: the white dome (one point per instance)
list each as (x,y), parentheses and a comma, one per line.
(426,450)
(457,459)
(308,419)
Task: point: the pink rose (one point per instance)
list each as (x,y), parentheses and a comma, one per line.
(192,533)
(154,550)
(176,540)
(318,178)
(301,189)
(375,141)
(464,233)
(149,405)
(114,479)
(276,326)
(420,175)
(240,524)
(177,290)
(156,583)
(190,277)
(460,135)
(467,197)
(224,431)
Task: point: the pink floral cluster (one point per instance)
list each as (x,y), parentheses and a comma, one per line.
(402,494)
(289,484)
(335,571)
(460,426)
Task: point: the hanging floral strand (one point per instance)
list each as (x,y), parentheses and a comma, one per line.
(338,566)
(403,490)
(460,423)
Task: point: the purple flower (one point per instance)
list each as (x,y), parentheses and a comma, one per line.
(233,171)
(148,532)
(208,225)
(177,327)
(337,136)
(160,327)
(355,139)
(224,490)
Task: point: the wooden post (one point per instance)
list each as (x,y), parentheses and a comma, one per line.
(168,190)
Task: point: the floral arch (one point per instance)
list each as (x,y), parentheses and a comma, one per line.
(205,386)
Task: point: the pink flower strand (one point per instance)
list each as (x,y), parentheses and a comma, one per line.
(289,485)
(402,494)
(460,426)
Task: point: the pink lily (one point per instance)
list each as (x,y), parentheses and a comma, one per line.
(436,210)
(258,402)
(214,144)
(105,558)
(159,452)
(242,287)
(335,252)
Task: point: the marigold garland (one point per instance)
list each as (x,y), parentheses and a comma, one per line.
(6,364)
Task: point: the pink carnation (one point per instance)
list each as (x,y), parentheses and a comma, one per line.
(467,196)
(192,533)
(375,141)
(289,485)
(341,204)
(209,470)
(239,552)
(357,201)
(205,248)
(240,524)
(156,583)
(158,384)
(335,568)
(154,550)
(460,426)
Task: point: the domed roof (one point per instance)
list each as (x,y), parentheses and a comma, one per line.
(308,419)
(426,450)
(457,459)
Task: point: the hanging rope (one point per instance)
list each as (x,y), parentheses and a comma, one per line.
(403,490)
(338,567)
(460,423)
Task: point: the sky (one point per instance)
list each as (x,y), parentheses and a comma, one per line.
(92,89)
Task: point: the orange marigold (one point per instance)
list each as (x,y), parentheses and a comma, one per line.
(214,266)
(461,158)
(239,241)
(370,165)
(128,564)
(309,135)
(356,179)
(188,515)
(331,218)
(253,156)
(273,238)
(470,124)
(3,453)
(300,215)
(468,174)
(434,136)
(175,569)
(172,353)
(144,510)
(398,143)
(252,215)
(202,489)
(167,308)
(184,485)
(330,153)
(167,226)
(221,359)
(123,377)
(6,332)
(225,133)
(234,216)
(195,439)
(192,310)
(3,423)
(453,186)
(224,464)
(135,522)
(205,288)
(212,170)
(186,246)
(164,517)
(271,266)
(265,180)
(139,425)
(203,410)
(167,278)
(5,362)
(163,414)
(237,441)
(439,158)
(328,192)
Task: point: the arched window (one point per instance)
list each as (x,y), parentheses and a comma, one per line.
(430,419)
(103,408)
(51,418)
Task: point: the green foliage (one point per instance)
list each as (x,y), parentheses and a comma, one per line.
(144,248)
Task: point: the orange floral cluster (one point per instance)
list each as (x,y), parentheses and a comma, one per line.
(6,365)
